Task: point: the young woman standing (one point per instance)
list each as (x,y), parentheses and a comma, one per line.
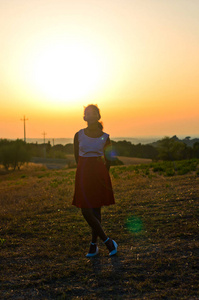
(93,187)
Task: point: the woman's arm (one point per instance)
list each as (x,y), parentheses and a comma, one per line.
(107,151)
(76,147)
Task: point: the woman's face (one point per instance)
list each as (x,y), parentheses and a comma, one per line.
(91,115)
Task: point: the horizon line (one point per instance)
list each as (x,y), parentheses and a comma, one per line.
(113,137)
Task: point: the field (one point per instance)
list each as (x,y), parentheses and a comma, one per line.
(44,239)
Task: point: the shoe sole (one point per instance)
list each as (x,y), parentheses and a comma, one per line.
(93,254)
(113,252)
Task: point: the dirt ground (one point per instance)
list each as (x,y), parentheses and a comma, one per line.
(44,239)
(134,160)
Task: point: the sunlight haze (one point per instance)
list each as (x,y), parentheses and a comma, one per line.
(138,60)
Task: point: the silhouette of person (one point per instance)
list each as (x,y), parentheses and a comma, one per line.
(93,188)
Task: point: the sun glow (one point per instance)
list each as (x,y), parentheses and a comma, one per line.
(64,73)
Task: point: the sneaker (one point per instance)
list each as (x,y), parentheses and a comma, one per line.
(93,251)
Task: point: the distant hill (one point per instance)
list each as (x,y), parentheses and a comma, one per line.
(187,140)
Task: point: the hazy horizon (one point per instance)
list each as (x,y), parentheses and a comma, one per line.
(133,140)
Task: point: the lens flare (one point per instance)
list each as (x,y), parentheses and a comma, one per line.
(134,224)
(111,153)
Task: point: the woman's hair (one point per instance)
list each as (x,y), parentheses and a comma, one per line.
(95,107)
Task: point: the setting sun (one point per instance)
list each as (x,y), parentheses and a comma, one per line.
(64,72)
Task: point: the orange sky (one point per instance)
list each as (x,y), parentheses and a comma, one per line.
(138,60)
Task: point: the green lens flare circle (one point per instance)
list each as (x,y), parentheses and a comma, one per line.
(134,224)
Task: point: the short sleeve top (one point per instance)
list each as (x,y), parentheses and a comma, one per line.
(91,147)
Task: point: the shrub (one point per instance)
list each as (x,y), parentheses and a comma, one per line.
(13,154)
(183,171)
(170,172)
(158,169)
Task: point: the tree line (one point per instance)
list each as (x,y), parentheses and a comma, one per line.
(13,154)
(167,149)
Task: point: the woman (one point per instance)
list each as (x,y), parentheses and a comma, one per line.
(93,187)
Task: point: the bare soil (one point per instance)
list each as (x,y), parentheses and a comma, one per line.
(134,160)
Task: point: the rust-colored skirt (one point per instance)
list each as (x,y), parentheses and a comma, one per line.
(93,186)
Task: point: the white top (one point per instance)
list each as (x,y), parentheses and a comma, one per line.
(91,147)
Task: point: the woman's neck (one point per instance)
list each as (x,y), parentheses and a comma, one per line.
(93,130)
(93,127)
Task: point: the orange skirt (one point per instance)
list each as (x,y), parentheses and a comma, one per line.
(93,186)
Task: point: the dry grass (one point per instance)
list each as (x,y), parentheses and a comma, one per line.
(44,239)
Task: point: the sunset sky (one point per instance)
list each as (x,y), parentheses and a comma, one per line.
(138,60)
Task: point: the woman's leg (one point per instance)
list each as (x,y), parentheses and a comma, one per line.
(93,218)
(97,214)
(94,223)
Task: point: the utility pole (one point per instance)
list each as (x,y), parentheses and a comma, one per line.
(44,134)
(24,122)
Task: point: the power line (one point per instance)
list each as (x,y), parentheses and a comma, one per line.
(24,121)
